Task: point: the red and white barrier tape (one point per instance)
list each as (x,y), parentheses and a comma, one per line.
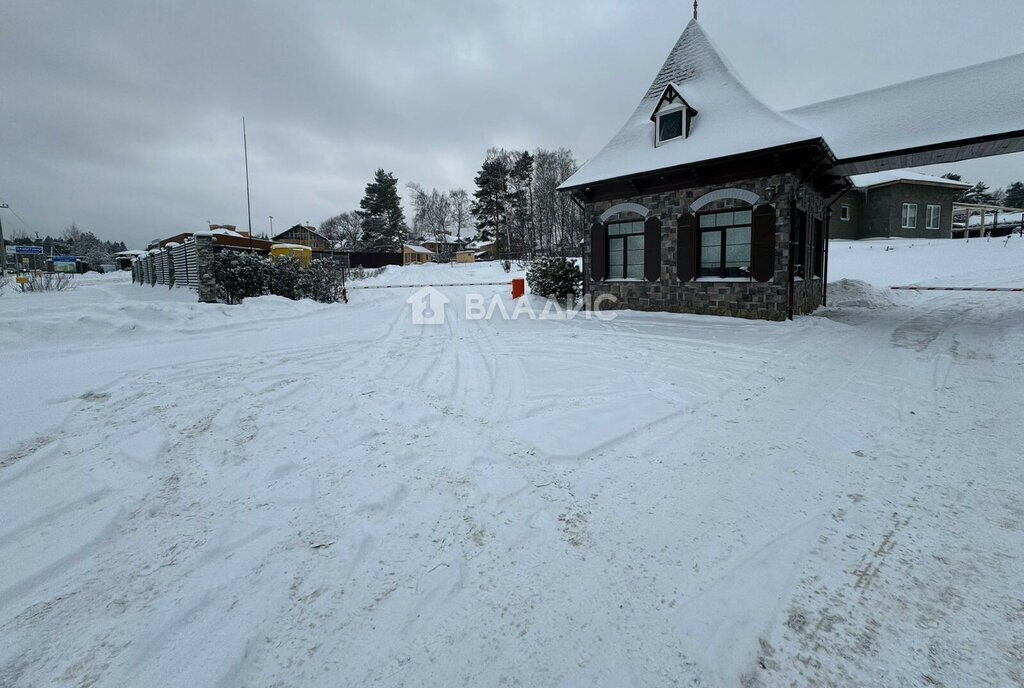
(424,286)
(961,288)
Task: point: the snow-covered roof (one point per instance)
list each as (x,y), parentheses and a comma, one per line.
(228,232)
(892,176)
(416,248)
(291,246)
(311,230)
(1011,219)
(980,100)
(730,120)
(444,239)
(479,244)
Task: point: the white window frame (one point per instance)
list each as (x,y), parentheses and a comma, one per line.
(669,110)
(928,217)
(844,212)
(905,217)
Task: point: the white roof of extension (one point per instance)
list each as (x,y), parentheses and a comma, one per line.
(416,248)
(980,100)
(892,176)
(730,119)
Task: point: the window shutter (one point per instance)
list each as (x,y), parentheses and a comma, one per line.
(598,251)
(652,249)
(686,247)
(762,243)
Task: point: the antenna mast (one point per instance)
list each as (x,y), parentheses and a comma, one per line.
(248,205)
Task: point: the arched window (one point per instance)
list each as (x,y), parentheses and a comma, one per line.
(725,243)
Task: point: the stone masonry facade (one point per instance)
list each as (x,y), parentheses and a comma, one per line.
(744,299)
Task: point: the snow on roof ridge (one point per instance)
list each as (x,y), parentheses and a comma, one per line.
(903,175)
(732,119)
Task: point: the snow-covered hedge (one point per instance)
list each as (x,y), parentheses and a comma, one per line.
(241,275)
(322,281)
(559,279)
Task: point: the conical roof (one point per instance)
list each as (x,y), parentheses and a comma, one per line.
(730,120)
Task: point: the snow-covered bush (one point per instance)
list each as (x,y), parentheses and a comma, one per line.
(322,281)
(287,277)
(47,281)
(557,278)
(360,273)
(241,275)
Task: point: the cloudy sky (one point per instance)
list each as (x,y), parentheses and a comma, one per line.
(125,115)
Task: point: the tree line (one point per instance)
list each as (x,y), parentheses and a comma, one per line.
(515,203)
(74,241)
(980,194)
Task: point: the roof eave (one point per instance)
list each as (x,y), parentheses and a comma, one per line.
(818,141)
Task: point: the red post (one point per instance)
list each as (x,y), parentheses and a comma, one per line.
(518,287)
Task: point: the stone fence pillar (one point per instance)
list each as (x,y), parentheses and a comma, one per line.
(204,253)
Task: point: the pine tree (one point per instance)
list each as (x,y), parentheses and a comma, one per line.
(490,200)
(521,201)
(1015,195)
(979,194)
(381,212)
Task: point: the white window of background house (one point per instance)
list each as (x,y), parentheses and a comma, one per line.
(844,212)
(933,217)
(910,216)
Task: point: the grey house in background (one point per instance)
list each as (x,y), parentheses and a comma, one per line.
(900,203)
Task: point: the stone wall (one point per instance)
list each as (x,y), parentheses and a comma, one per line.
(745,299)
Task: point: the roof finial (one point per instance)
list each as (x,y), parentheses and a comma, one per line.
(694,10)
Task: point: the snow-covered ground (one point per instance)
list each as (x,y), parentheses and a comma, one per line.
(293,494)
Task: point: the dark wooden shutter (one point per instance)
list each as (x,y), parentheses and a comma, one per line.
(652,249)
(686,247)
(762,243)
(598,251)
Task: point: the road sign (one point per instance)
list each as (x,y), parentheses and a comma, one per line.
(28,250)
(65,263)
(342,261)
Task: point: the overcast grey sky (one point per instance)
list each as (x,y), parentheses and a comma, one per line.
(125,115)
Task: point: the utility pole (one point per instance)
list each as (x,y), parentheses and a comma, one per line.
(271,226)
(3,246)
(248,205)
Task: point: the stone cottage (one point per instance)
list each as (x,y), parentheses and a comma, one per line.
(708,201)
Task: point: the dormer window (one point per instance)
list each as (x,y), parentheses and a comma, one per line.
(670,125)
(672,117)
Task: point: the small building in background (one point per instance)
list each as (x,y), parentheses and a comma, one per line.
(304,235)
(446,244)
(414,254)
(898,203)
(484,250)
(467,256)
